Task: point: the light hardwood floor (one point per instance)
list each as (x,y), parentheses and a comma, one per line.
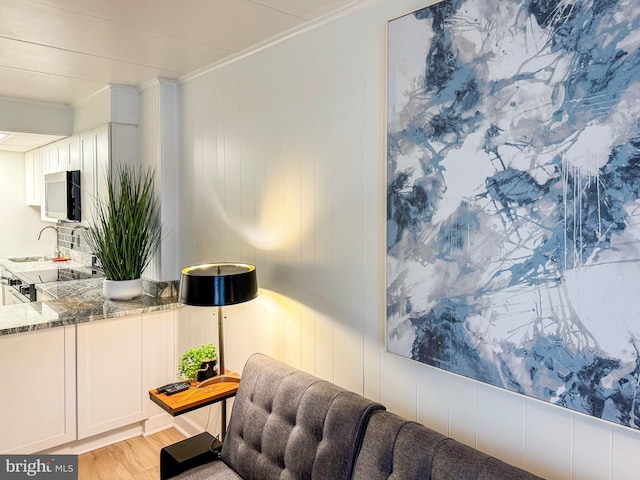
(137,458)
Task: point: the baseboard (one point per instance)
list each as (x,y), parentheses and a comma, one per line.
(79,447)
(157,423)
(186,426)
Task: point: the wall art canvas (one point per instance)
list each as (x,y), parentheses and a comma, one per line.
(513,186)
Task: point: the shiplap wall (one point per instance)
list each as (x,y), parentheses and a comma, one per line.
(282,165)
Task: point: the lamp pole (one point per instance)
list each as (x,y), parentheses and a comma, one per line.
(220,342)
(223,406)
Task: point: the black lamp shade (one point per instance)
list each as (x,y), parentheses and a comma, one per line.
(217,284)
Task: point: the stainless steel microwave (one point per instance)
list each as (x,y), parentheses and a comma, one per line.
(62,195)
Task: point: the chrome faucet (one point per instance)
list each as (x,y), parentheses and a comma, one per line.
(56,252)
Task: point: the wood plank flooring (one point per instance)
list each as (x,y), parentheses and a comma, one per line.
(135,459)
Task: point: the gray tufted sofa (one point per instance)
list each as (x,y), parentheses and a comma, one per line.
(288,425)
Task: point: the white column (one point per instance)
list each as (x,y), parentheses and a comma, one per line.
(159,149)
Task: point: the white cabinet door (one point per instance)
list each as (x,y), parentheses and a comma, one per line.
(87,175)
(103,161)
(52,151)
(74,153)
(94,168)
(68,153)
(100,150)
(62,148)
(159,364)
(109,375)
(37,392)
(33,177)
(49,161)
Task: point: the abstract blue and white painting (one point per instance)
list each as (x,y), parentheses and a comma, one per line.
(513,187)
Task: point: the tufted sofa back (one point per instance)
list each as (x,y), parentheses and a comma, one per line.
(398,449)
(289,425)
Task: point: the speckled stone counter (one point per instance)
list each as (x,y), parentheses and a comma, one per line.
(81,301)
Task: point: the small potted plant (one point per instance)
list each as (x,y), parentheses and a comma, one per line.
(198,363)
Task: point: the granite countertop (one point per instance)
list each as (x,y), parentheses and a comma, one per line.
(78,301)
(43,263)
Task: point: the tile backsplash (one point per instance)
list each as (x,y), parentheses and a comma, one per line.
(73,242)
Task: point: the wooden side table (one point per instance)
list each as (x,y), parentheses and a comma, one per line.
(199,449)
(218,389)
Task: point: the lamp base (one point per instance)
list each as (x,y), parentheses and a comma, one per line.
(227,377)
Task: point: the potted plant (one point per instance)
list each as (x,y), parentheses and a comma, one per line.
(198,363)
(126,230)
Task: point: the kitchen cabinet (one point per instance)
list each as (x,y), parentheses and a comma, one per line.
(49,161)
(95,153)
(73,388)
(68,153)
(119,361)
(49,156)
(55,157)
(37,393)
(59,156)
(33,177)
(46,166)
(63,385)
(63,155)
(101,150)
(88,169)
(159,366)
(109,375)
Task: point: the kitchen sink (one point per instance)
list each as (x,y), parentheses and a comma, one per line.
(27,259)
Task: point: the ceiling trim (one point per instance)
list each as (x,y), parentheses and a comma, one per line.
(153,82)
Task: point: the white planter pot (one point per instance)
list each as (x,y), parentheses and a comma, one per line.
(122,289)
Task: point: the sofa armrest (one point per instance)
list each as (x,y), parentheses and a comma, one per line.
(286,419)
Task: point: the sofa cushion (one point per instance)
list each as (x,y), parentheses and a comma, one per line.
(456,460)
(288,424)
(396,449)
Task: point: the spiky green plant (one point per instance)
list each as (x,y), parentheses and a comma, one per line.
(126,229)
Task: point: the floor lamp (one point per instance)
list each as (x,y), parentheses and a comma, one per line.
(218,285)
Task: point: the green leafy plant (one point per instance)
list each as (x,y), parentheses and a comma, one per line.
(191,361)
(126,230)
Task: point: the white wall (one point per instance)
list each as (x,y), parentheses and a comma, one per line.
(282,165)
(35,117)
(19,223)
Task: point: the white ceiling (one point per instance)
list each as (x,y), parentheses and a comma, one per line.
(23,142)
(63,51)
